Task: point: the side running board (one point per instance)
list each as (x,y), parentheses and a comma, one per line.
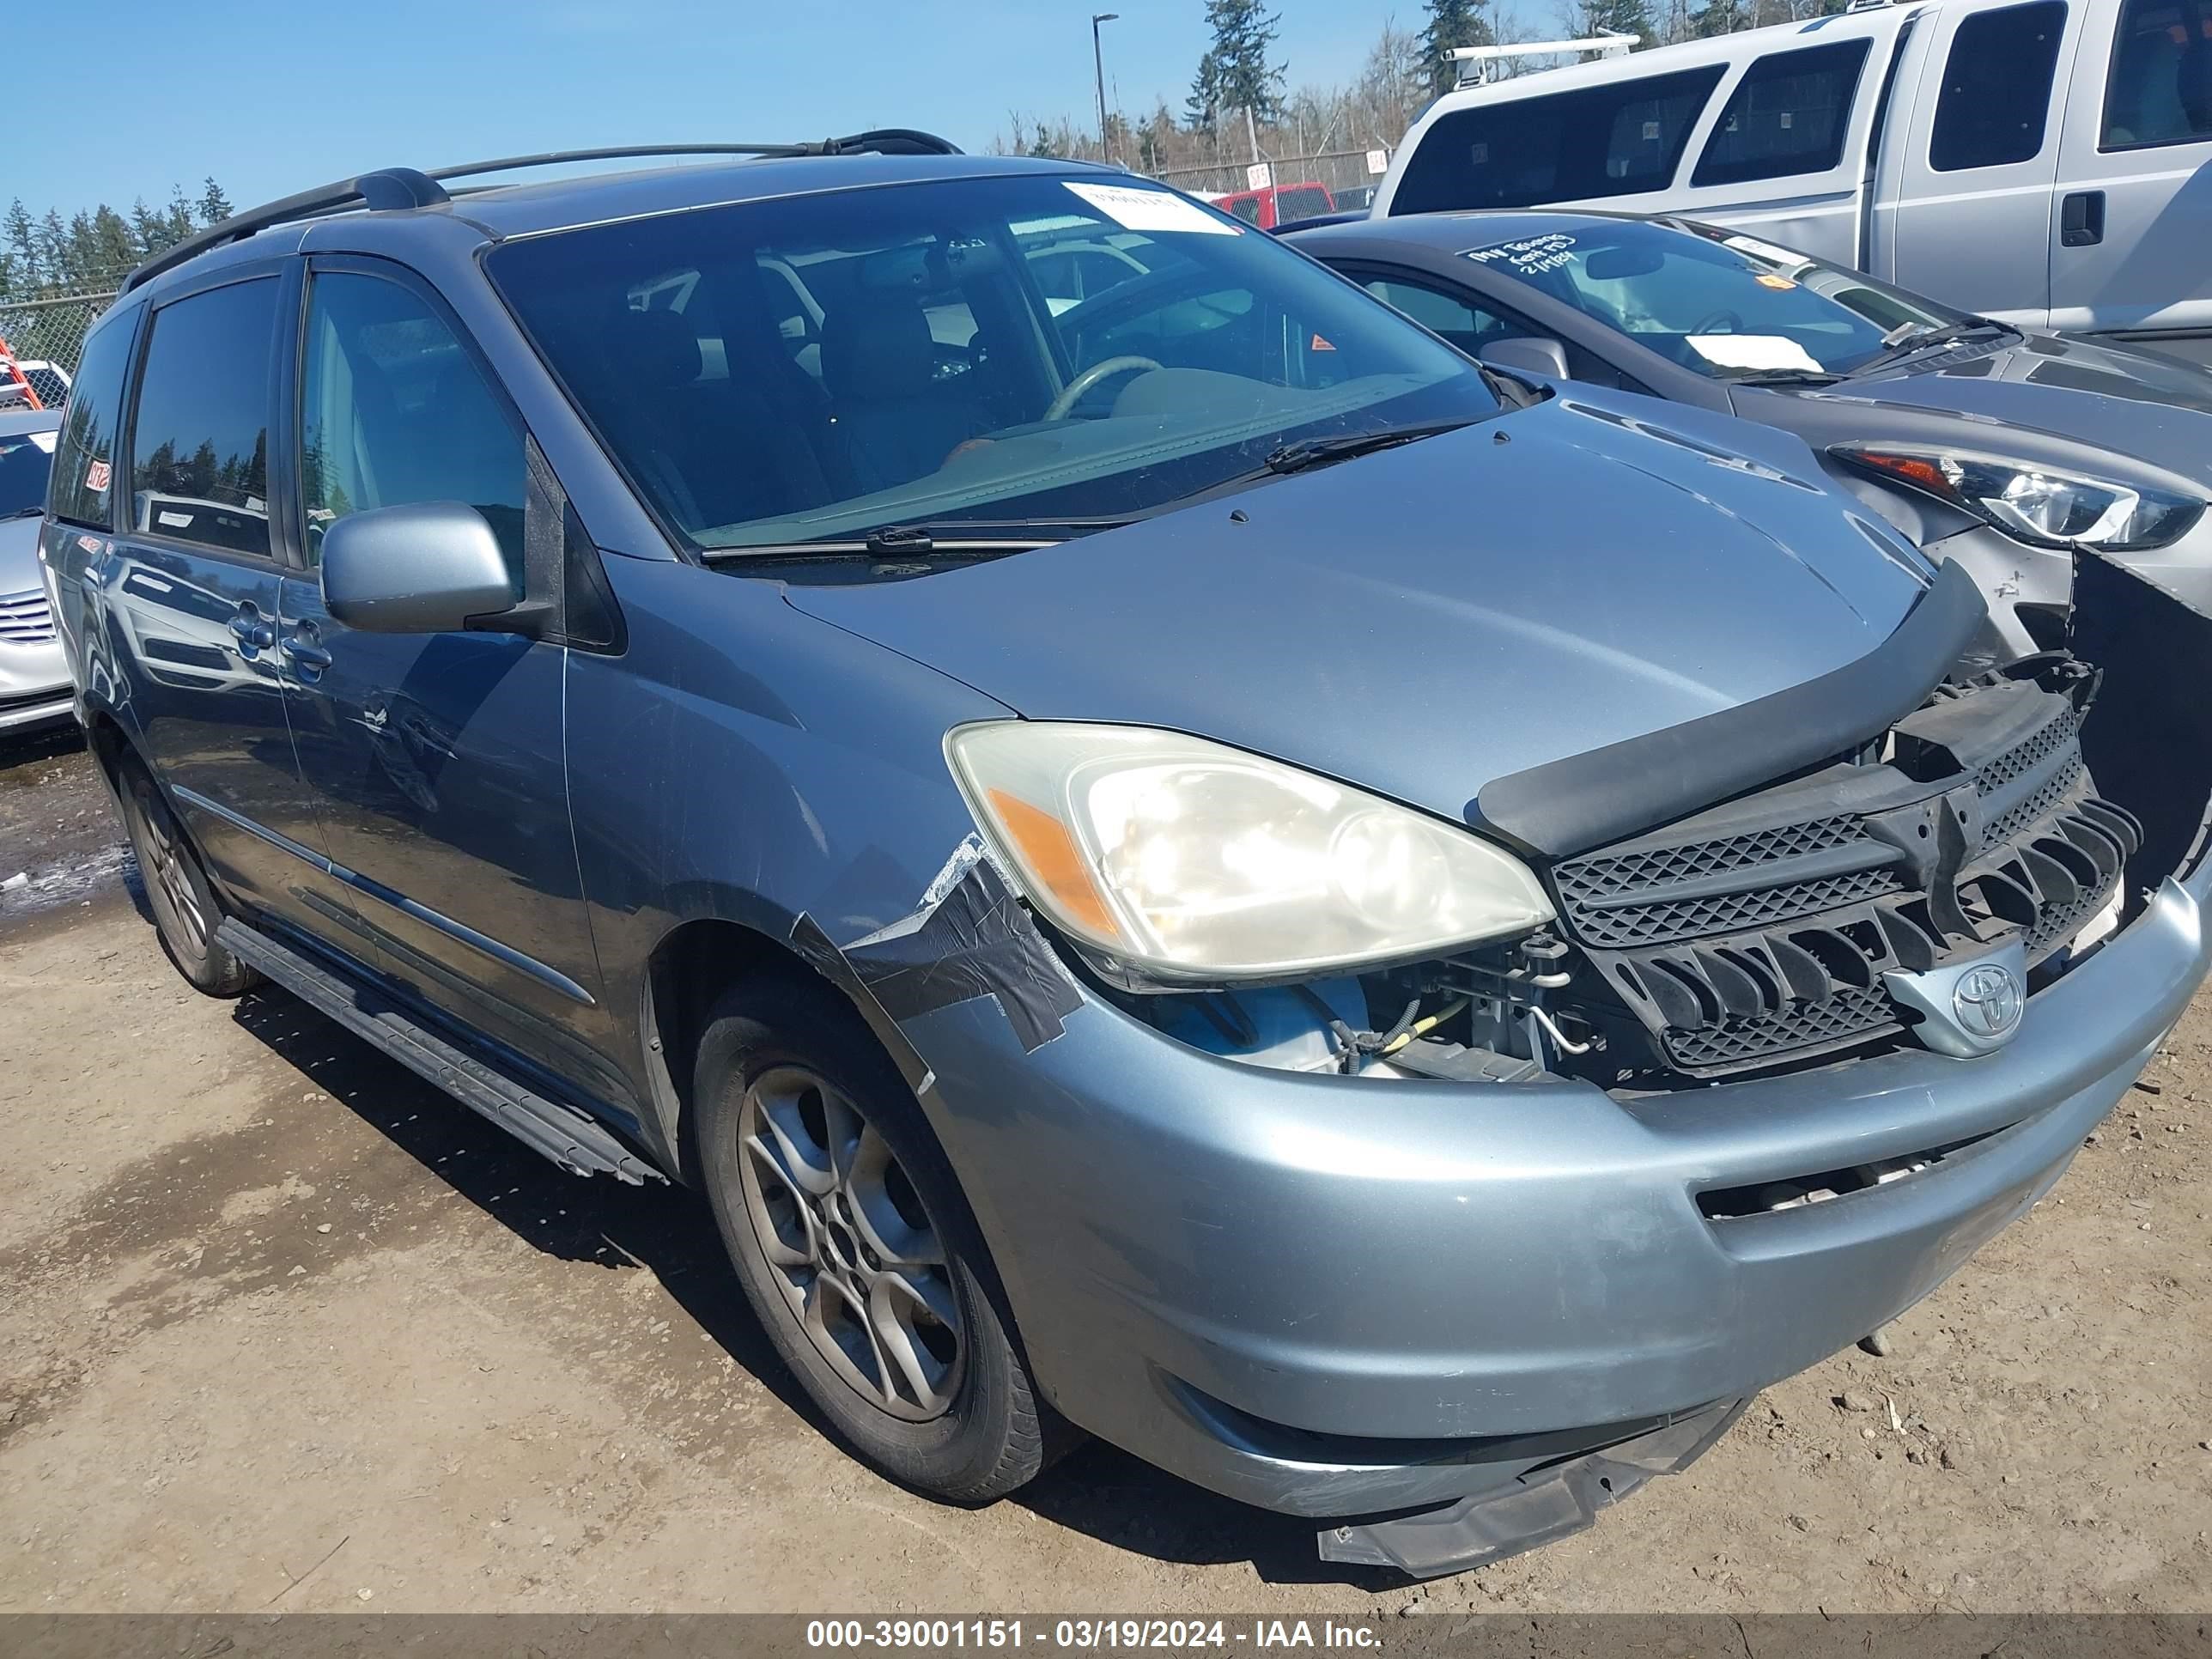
(573,1140)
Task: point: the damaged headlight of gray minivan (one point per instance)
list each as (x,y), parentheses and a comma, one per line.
(1171,862)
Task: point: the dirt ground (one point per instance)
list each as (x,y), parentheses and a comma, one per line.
(283,1328)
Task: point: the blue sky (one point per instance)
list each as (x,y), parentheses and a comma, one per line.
(270,98)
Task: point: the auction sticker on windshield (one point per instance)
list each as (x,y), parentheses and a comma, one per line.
(1752,351)
(1152,209)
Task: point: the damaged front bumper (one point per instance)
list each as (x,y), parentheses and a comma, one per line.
(1550,1502)
(1453,1318)
(1342,1296)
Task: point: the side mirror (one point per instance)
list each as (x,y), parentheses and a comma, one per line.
(428,568)
(1531,356)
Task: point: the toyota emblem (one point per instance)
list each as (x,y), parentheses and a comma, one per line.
(1988,1000)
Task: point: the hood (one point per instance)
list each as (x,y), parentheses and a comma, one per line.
(2135,403)
(19,555)
(1424,620)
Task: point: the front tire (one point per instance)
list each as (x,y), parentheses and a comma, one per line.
(177,891)
(854,1246)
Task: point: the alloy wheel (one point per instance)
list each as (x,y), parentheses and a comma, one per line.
(859,1261)
(165,859)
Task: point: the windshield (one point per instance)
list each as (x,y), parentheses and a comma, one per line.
(1712,299)
(25,457)
(1001,351)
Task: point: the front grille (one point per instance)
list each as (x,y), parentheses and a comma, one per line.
(1609,875)
(2043,801)
(1611,894)
(25,618)
(1847,1017)
(1756,933)
(2059,731)
(1681,919)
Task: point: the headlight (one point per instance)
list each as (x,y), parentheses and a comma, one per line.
(2038,505)
(1198,864)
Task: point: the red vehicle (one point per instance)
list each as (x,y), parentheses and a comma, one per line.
(1279,204)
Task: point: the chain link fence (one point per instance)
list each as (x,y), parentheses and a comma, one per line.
(47,334)
(1342,173)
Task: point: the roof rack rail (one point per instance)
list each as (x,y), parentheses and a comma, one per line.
(390,189)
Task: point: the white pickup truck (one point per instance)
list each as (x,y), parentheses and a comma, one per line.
(2045,161)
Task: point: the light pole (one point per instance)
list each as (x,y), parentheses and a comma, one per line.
(1099,67)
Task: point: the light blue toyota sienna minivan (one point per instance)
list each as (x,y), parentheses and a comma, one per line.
(1175,858)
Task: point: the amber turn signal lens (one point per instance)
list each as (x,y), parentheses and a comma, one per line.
(1053,858)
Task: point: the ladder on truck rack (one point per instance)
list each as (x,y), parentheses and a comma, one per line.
(1478,66)
(14,383)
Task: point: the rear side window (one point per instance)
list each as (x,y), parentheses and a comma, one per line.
(1788,115)
(1996,87)
(199,441)
(83,475)
(1618,139)
(2160,91)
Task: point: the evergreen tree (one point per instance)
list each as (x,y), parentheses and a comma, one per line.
(92,248)
(54,263)
(215,206)
(1621,17)
(181,223)
(1718,17)
(146,227)
(23,239)
(103,242)
(1201,111)
(1243,79)
(1452,23)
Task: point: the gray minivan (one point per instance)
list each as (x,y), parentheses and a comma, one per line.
(1191,864)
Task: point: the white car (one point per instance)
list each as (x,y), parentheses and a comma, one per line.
(34,681)
(2047,162)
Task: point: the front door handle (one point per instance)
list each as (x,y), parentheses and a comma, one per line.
(2081,219)
(255,633)
(306,657)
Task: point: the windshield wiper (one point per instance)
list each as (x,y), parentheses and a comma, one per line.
(1908,339)
(949,538)
(1303,452)
(1785,377)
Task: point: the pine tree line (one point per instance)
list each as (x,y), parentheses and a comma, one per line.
(93,248)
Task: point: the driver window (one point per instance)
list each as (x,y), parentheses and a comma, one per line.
(393,413)
(1445,315)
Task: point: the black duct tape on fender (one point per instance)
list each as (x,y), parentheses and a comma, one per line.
(820,953)
(971,938)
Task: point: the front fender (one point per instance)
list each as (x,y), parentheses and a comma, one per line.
(744,763)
